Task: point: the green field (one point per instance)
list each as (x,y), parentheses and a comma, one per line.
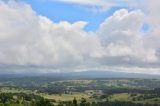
(30,91)
(66,97)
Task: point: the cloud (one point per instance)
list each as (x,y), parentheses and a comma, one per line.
(121,35)
(29,41)
(95,5)
(151,9)
(84,2)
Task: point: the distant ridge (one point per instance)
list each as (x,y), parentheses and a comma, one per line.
(108,74)
(87,75)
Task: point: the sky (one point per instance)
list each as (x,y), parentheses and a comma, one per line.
(57,11)
(44,36)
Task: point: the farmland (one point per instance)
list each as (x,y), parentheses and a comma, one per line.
(29,90)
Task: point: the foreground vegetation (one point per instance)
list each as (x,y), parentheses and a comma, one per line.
(47,91)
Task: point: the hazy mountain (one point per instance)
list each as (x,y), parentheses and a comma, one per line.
(87,75)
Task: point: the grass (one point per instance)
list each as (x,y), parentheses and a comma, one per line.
(120,97)
(66,97)
(82,82)
(126,97)
(15,91)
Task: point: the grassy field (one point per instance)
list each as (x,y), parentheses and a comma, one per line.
(127,97)
(113,90)
(120,97)
(15,91)
(66,97)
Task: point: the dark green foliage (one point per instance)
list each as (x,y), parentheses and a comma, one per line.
(23,99)
(74,102)
(139,90)
(120,103)
(43,102)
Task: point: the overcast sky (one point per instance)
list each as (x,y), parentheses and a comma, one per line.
(44,36)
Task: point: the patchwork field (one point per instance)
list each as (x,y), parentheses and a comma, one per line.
(92,92)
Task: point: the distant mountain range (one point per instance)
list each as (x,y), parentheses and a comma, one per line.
(105,74)
(88,75)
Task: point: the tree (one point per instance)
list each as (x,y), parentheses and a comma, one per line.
(83,102)
(75,102)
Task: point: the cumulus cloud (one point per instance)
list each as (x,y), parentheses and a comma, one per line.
(29,41)
(121,35)
(151,9)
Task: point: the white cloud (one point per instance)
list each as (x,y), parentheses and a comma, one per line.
(30,41)
(85,2)
(121,35)
(95,5)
